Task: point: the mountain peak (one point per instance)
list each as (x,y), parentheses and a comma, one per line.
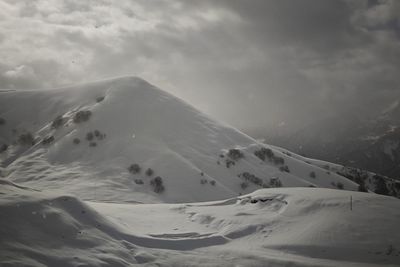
(126,139)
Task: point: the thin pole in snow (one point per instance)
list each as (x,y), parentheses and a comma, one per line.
(351,202)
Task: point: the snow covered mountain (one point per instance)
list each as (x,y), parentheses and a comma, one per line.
(101,175)
(113,138)
(109,140)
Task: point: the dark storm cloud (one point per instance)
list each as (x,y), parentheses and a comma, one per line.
(260,62)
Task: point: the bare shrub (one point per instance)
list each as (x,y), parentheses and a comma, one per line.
(58,122)
(149,172)
(157,184)
(203,181)
(26,139)
(134,168)
(82,116)
(248,177)
(229,163)
(275,182)
(264,153)
(3,148)
(362,188)
(92,144)
(235,154)
(284,168)
(89,136)
(244,185)
(139,181)
(278,160)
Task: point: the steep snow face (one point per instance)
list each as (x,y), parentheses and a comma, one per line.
(270,227)
(86,138)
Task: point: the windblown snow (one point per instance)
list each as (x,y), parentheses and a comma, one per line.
(121,173)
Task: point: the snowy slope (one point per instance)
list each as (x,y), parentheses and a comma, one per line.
(270,227)
(70,194)
(137,123)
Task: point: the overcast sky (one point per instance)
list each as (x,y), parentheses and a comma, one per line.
(249,63)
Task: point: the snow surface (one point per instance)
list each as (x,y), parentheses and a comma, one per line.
(270,227)
(66,204)
(179,143)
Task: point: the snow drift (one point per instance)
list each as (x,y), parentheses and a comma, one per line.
(270,227)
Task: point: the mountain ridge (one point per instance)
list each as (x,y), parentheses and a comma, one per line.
(102,137)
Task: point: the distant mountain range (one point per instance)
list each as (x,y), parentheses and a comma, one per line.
(372,144)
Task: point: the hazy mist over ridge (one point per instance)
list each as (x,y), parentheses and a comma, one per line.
(258,65)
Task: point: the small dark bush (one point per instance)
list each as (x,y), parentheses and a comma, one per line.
(89,136)
(99,99)
(264,153)
(203,181)
(235,154)
(76,141)
(362,188)
(48,140)
(380,185)
(99,135)
(212,182)
(202,174)
(313,175)
(244,185)
(326,167)
(92,144)
(221,156)
(134,168)
(284,168)
(259,155)
(58,122)
(397,185)
(278,160)
(3,148)
(248,177)
(82,116)
(275,182)
(229,163)
(219,163)
(26,139)
(157,185)
(139,181)
(149,172)
(2,121)
(339,185)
